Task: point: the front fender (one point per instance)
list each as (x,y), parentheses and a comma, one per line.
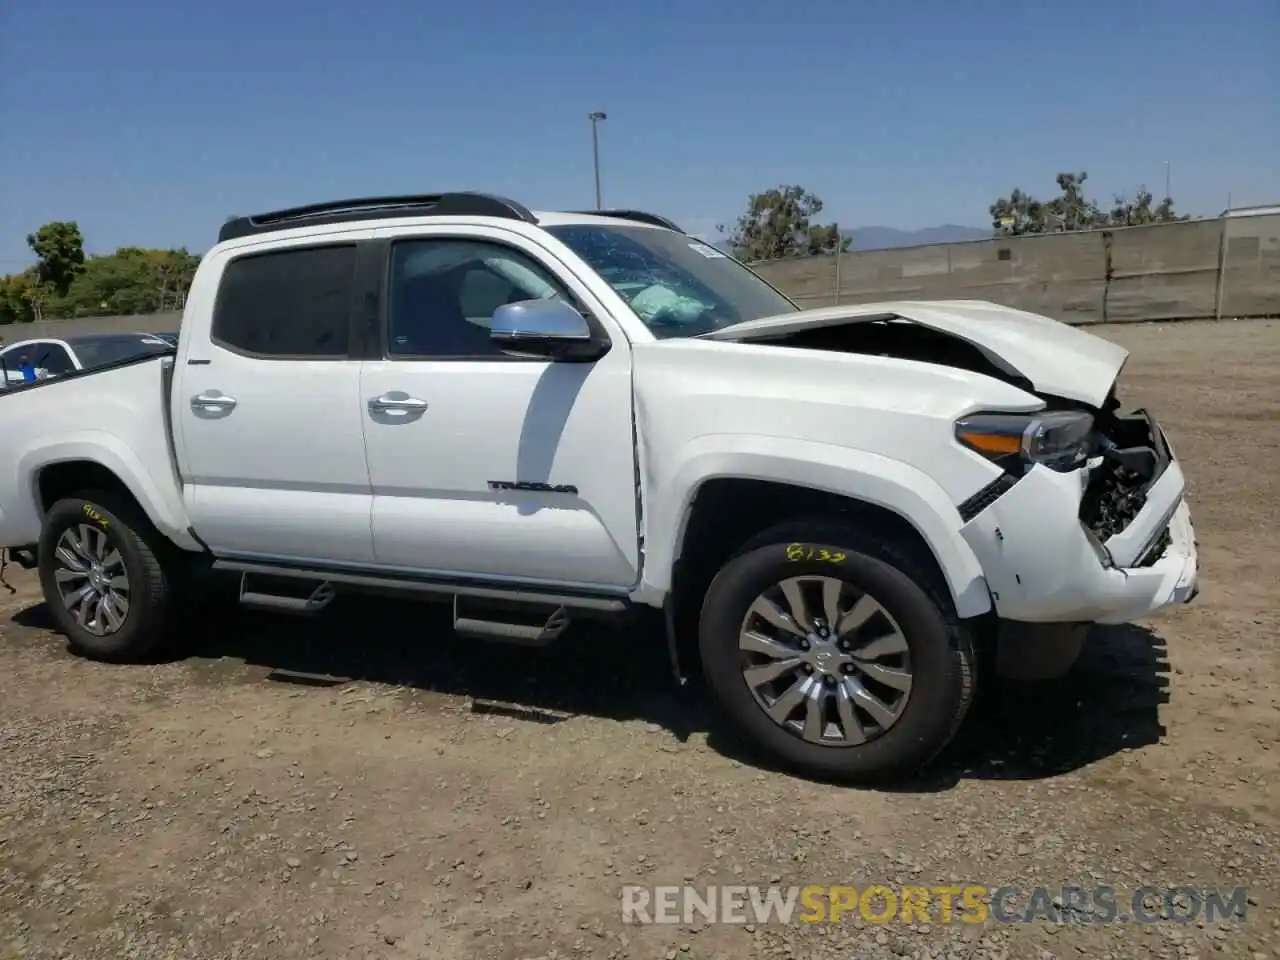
(163,506)
(877,480)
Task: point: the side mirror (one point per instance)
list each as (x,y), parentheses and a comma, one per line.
(545,328)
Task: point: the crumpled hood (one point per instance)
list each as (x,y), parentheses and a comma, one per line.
(1054,357)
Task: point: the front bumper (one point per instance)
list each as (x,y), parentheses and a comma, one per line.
(1042,564)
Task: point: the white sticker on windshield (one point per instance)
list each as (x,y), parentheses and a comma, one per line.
(707,251)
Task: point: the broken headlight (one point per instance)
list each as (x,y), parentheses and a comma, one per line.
(1061,440)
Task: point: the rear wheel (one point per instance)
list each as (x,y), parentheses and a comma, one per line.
(835,654)
(102,576)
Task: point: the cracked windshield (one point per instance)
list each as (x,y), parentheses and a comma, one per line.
(678,286)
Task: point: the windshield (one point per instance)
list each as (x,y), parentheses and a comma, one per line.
(678,286)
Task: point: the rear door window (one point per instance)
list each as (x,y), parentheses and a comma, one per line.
(287,304)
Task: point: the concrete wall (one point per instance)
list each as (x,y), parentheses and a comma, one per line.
(1228,267)
(144,323)
(1251,267)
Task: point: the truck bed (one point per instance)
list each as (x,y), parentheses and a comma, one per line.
(117,416)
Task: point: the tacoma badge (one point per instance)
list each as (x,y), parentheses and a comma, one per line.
(540,487)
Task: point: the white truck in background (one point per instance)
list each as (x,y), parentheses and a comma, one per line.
(543,417)
(49,357)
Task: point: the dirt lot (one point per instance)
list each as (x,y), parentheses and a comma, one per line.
(368,786)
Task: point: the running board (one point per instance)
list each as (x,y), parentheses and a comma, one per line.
(502,622)
(577,604)
(284,594)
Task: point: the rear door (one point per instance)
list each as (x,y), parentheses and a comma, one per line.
(267,411)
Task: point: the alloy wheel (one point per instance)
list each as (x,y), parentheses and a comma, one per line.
(92,581)
(825,661)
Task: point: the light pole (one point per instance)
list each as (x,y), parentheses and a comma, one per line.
(595,118)
(1166,179)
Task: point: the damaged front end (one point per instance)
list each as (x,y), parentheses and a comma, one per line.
(1122,460)
(1128,494)
(1132,455)
(1025,349)
(1101,535)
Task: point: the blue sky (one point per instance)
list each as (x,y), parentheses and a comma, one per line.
(150,123)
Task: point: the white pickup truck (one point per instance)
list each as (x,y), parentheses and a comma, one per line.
(57,356)
(546,417)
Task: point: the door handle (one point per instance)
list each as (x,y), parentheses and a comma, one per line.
(212,401)
(387,403)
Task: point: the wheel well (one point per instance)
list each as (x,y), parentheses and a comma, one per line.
(59,480)
(728,512)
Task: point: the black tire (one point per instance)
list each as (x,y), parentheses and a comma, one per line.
(941,652)
(141,548)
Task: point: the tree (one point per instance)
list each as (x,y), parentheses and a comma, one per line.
(64,283)
(1132,212)
(19,294)
(1020,213)
(1069,209)
(131,280)
(59,249)
(1017,214)
(778,223)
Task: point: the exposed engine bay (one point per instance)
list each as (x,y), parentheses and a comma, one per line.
(904,340)
(1132,455)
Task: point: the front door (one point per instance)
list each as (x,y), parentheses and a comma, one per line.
(270,439)
(484,465)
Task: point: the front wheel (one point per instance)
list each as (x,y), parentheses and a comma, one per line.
(833,652)
(102,578)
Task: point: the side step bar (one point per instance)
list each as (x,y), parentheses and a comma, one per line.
(579,603)
(502,621)
(284,596)
(526,617)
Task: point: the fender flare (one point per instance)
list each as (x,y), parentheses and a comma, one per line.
(164,509)
(881,481)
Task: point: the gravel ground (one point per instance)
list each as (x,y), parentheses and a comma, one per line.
(365,785)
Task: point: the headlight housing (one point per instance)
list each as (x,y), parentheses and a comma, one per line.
(1061,440)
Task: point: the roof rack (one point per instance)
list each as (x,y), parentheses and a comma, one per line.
(464,204)
(639,216)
